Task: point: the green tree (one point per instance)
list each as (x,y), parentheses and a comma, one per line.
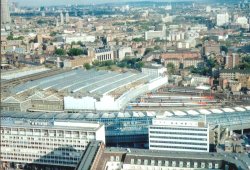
(87,66)
(52,34)
(75,52)
(80,43)
(148,50)
(157,47)
(138,39)
(60,52)
(170,68)
(139,65)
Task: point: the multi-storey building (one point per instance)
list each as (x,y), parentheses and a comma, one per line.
(100,157)
(233,73)
(211,47)
(47,142)
(77,61)
(5,14)
(183,63)
(179,135)
(154,70)
(232,60)
(222,19)
(104,54)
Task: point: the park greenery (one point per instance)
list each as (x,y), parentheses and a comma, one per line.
(11,37)
(75,52)
(170,68)
(60,52)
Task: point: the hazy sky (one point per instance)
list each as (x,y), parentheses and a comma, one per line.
(65,2)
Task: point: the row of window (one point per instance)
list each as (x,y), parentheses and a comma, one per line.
(187,129)
(177,147)
(178,133)
(41,143)
(181,138)
(173,142)
(171,163)
(41,147)
(40,139)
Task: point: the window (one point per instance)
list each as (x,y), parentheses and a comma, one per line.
(145,162)
(138,161)
(173,163)
(132,161)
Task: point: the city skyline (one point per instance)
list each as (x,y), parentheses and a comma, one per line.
(81,2)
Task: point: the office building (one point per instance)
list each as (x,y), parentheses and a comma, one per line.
(175,135)
(47,142)
(222,19)
(5,14)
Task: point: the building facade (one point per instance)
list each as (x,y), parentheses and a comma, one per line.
(5,13)
(154,70)
(174,135)
(104,54)
(232,60)
(47,143)
(222,19)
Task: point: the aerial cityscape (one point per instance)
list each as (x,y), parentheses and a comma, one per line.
(125,85)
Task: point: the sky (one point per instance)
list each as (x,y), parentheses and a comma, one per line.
(66,2)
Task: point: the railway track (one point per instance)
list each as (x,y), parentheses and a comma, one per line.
(16,81)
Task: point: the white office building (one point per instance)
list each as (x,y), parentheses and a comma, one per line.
(178,135)
(49,142)
(222,19)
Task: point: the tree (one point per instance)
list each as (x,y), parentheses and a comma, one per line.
(139,65)
(171,68)
(60,52)
(52,34)
(80,43)
(148,50)
(87,66)
(224,48)
(157,47)
(138,39)
(75,52)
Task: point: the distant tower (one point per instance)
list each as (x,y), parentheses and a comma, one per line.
(43,14)
(67,17)
(57,23)
(5,13)
(62,18)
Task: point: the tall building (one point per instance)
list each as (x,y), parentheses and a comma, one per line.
(67,17)
(222,19)
(61,18)
(179,135)
(5,14)
(47,142)
(232,60)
